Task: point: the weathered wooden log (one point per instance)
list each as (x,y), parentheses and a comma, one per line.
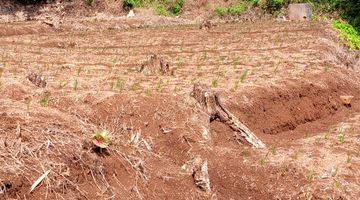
(210,101)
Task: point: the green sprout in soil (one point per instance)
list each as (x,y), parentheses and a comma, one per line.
(75,84)
(273,150)
(119,85)
(148,92)
(101,139)
(327,136)
(44,101)
(349,159)
(78,71)
(327,68)
(244,76)
(159,86)
(28,104)
(341,138)
(214,83)
(311,176)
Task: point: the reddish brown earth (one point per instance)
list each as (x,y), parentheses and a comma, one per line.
(290,98)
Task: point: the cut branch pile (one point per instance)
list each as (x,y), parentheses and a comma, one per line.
(210,101)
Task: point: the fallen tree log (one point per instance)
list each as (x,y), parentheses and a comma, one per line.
(210,101)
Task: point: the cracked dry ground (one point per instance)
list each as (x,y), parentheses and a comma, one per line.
(283,80)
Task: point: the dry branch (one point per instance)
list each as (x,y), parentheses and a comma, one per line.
(210,101)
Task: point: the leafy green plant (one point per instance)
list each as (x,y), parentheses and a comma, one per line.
(177,7)
(274,5)
(161,10)
(232,10)
(221,11)
(101,139)
(348,33)
(130,4)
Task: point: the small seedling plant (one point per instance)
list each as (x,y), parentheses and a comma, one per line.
(101,140)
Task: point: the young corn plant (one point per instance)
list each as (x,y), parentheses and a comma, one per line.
(244,76)
(214,83)
(44,101)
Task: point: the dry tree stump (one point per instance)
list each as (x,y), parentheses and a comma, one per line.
(155,65)
(206,25)
(210,101)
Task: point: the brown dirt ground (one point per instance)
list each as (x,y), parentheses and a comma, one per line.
(289,97)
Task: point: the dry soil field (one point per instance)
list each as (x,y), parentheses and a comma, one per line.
(282,80)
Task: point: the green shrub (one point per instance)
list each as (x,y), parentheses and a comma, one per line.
(130,4)
(221,11)
(348,33)
(274,5)
(177,7)
(236,10)
(232,10)
(161,10)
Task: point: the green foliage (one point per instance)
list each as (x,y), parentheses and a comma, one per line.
(161,7)
(177,7)
(232,10)
(348,33)
(221,11)
(161,10)
(130,4)
(274,5)
(255,2)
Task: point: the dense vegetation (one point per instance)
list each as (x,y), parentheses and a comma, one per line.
(162,7)
(348,33)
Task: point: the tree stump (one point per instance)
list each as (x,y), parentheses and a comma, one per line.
(206,25)
(155,65)
(210,101)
